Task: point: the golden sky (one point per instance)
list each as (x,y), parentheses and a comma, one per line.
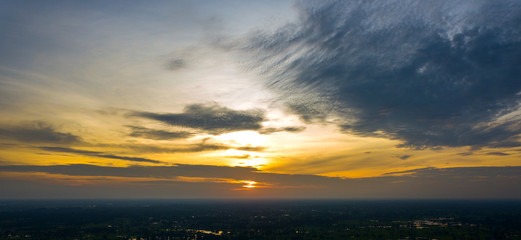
(268,99)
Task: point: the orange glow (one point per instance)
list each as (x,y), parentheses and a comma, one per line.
(101,180)
(249,184)
(244,138)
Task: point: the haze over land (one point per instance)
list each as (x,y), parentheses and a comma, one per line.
(260,99)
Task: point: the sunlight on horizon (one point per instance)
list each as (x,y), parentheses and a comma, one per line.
(249,184)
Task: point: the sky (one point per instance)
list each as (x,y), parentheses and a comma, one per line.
(260,99)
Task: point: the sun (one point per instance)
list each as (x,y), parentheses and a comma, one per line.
(249,184)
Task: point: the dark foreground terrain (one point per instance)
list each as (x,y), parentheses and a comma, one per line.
(273,219)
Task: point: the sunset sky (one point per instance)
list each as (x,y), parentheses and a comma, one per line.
(260,99)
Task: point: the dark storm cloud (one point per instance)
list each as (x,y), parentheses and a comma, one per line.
(466,182)
(435,73)
(212,118)
(97,154)
(142,132)
(38,132)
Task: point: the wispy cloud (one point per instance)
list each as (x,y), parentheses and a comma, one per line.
(176,64)
(204,145)
(431,74)
(283,129)
(245,156)
(461,172)
(140,171)
(38,132)
(251,148)
(142,132)
(465,153)
(498,153)
(98,154)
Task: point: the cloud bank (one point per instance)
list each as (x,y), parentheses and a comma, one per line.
(98,154)
(167,181)
(436,73)
(213,118)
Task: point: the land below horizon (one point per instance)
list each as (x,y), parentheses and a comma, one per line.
(260,219)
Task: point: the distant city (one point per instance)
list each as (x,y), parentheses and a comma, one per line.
(269,219)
